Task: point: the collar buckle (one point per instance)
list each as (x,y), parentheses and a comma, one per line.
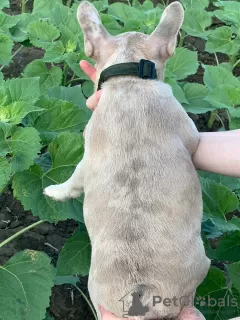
(147,69)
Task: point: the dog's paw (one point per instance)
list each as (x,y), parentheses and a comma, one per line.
(56,192)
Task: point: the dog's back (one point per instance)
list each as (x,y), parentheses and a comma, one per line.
(143,205)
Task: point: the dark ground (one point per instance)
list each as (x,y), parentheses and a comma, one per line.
(66,303)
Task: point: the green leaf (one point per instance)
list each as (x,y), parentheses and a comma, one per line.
(66,151)
(230,13)
(221,40)
(195,94)
(225,96)
(44,8)
(42,33)
(47,77)
(217,199)
(24,90)
(19,32)
(54,52)
(25,286)
(6,22)
(229,247)
(4,173)
(184,63)
(88,88)
(59,116)
(196,22)
(4,4)
(197,4)
(1,79)
(234,274)
(216,76)
(230,182)
(70,94)
(48,317)
(6,45)
(123,12)
(215,299)
(111,24)
(177,91)
(75,255)
(72,59)
(14,113)
(22,147)
(60,280)
(68,38)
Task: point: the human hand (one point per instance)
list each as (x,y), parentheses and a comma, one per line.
(188,313)
(90,71)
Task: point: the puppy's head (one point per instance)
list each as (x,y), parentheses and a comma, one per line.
(108,50)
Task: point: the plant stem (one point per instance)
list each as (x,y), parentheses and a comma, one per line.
(20,232)
(233,60)
(212,118)
(65,73)
(236,63)
(16,52)
(74,80)
(69,2)
(216,57)
(88,302)
(182,37)
(23,6)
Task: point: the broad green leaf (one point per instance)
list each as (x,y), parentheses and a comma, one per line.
(230,13)
(195,94)
(60,280)
(6,45)
(72,59)
(216,76)
(54,52)
(75,255)
(210,230)
(88,88)
(70,94)
(19,32)
(235,123)
(221,40)
(48,317)
(184,63)
(14,112)
(196,22)
(24,90)
(42,33)
(59,116)
(6,22)
(21,147)
(215,299)
(66,151)
(229,247)
(197,4)
(177,91)
(224,226)
(123,12)
(48,77)
(26,281)
(4,173)
(234,274)
(4,4)
(44,161)
(68,38)
(225,96)
(44,8)
(230,182)
(217,199)
(1,79)
(111,24)
(100,5)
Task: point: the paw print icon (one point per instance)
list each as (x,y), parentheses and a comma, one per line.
(201,301)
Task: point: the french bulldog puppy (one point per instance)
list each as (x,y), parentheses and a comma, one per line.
(143,202)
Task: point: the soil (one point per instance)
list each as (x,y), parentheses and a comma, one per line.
(66,303)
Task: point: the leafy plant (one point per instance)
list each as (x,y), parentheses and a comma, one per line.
(43,114)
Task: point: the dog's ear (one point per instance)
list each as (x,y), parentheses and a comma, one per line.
(163,39)
(95,35)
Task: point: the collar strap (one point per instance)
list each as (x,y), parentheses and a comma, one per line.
(144,69)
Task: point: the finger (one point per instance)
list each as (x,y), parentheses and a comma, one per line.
(190,313)
(92,102)
(106,315)
(88,69)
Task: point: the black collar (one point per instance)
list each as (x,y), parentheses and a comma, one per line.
(145,69)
